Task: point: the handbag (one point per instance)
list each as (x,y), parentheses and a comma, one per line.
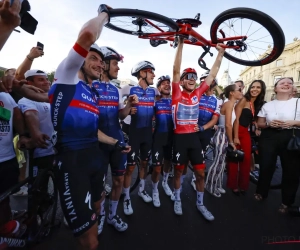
(234,155)
(294,143)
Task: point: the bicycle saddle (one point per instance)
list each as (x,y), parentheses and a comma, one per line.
(191,21)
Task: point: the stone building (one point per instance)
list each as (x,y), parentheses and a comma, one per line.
(225,80)
(287,65)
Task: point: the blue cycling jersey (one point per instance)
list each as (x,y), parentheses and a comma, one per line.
(108,101)
(208,106)
(145,106)
(163,115)
(74,116)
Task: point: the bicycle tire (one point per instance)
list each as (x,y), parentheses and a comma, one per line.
(262,18)
(139,13)
(44,176)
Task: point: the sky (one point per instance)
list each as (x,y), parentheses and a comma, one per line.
(61,21)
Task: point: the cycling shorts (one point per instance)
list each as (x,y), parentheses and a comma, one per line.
(9,174)
(80,179)
(140,140)
(187,147)
(114,158)
(161,148)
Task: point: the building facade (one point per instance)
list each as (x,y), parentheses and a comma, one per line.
(287,65)
(225,80)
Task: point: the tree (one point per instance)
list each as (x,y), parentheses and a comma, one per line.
(51,76)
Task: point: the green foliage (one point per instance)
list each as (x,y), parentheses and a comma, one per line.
(51,76)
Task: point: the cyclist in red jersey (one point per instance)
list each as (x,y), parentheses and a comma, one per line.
(185,112)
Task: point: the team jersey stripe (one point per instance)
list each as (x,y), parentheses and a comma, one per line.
(83,105)
(81,51)
(108,103)
(164,112)
(145,104)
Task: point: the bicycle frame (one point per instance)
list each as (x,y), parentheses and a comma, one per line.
(187,30)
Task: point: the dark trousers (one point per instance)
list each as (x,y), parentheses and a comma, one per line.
(273,143)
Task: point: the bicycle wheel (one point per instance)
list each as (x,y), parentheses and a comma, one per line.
(45,192)
(265,39)
(139,22)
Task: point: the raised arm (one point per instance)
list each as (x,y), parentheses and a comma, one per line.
(177,61)
(216,66)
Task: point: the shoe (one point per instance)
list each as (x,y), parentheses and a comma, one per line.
(242,192)
(178,207)
(101,220)
(13,229)
(167,189)
(172,197)
(221,190)
(117,222)
(294,211)
(206,214)
(107,189)
(145,196)
(216,193)
(155,199)
(237,193)
(193,183)
(127,207)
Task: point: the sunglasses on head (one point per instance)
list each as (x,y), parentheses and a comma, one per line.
(149,70)
(190,76)
(279,79)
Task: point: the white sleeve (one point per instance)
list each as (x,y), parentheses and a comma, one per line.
(121,102)
(156,92)
(67,70)
(262,112)
(26,104)
(218,107)
(125,91)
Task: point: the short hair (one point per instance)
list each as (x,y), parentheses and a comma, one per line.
(228,89)
(240,82)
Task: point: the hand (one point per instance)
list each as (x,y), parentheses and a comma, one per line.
(196,128)
(233,146)
(35,52)
(220,47)
(8,83)
(128,149)
(10,14)
(216,127)
(25,143)
(104,8)
(40,140)
(257,132)
(133,111)
(236,141)
(132,99)
(276,124)
(288,124)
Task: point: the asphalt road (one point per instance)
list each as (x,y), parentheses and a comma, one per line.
(241,223)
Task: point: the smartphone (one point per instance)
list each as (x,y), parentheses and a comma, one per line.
(40,45)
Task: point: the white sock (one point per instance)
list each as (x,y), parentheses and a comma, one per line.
(154,187)
(165,176)
(126,192)
(142,185)
(102,208)
(177,194)
(200,198)
(113,208)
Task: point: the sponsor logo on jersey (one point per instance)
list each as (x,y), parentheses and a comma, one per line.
(194,99)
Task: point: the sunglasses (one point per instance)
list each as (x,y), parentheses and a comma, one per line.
(279,79)
(149,70)
(190,76)
(239,89)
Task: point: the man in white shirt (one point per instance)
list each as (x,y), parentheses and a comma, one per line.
(38,120)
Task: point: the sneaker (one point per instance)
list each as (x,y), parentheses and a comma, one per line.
(107,189)
(101,220)
(155,199)
(216,193)
(145,196)
(172,197)
(221,190)
(127,207)
(117,222)
(193,183)
(178,207)
(206,214)
(167,189)
(22,192)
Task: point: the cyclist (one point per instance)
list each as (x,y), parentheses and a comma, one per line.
(209,112)
(162,139)
(75,117)
(111,108)
(140,128)
(185,112)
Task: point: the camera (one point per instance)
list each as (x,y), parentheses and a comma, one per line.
(28,22)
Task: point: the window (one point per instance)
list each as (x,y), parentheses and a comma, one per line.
(279,63)
(276,78)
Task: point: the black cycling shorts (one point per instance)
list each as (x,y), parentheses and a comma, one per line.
(9,174)
(161,148)
(140,140)
(187,147)
(80,179)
